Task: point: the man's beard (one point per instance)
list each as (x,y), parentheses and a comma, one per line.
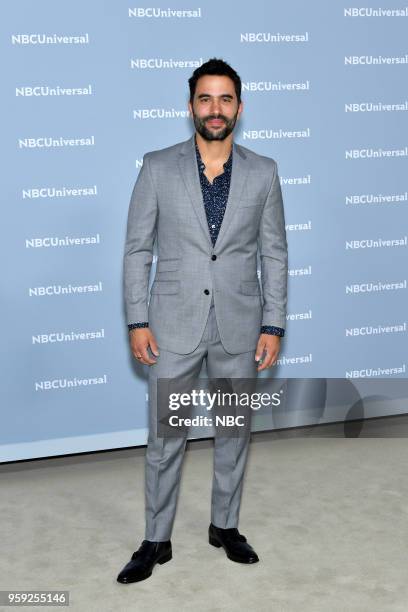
(219,134)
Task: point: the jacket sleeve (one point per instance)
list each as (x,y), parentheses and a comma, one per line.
(138,252)
(273,252)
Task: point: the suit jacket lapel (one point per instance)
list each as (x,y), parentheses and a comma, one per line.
(239,174)
(191,178)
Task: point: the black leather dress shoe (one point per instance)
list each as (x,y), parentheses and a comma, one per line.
(144,559)
(234,544)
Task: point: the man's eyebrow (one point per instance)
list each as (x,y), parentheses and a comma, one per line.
(206,95)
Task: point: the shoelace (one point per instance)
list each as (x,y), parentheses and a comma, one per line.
(233,534)
(146,549)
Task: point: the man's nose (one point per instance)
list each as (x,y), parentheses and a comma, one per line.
(215,107)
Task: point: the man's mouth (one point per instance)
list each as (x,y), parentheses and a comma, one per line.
(216,122)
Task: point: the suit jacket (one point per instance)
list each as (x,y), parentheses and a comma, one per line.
(167,204)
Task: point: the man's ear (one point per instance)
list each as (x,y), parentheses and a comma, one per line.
(190,108)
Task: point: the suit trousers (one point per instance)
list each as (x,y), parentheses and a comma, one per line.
(164,456)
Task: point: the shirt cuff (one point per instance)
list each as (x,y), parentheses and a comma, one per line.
(272,330)
(136,325)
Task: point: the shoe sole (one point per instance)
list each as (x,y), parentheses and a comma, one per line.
(217,544)
(164,559)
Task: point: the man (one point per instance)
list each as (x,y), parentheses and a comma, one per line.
(211,204)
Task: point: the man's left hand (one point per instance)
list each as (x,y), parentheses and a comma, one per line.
(270,345)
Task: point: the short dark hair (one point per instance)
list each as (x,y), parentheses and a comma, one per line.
(217,67)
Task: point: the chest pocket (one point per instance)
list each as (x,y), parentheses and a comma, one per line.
(251,202)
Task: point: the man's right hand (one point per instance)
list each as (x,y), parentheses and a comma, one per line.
(140,339)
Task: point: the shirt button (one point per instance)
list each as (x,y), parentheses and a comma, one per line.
(213,226)
(206,291)
(213,257)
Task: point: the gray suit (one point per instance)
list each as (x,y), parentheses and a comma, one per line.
(205,304)
(167,200)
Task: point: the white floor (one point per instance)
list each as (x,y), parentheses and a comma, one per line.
(327,516)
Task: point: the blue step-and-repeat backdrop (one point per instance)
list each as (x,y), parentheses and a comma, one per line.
(87,89)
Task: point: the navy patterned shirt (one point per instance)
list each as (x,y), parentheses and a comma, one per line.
(215,196)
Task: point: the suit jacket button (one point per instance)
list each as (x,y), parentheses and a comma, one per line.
(213,257)
(206,291)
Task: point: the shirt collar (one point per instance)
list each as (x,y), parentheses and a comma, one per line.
(227,165)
